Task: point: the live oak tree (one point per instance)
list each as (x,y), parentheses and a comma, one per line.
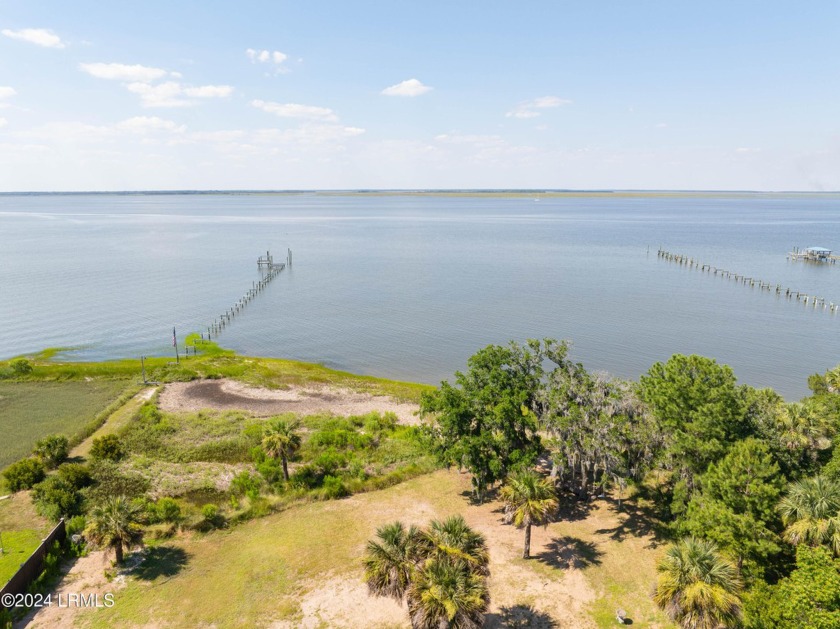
(488,421)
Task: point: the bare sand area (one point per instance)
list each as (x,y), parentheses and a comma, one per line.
(227,395)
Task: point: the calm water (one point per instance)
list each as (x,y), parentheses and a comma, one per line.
(409,287)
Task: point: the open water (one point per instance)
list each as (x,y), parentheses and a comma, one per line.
(408,287)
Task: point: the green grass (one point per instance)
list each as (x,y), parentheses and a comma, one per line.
(32,410)
(22,530)
(261,572)
(17,546)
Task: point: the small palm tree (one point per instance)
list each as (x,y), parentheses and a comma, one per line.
(811,513)
(698,588)
(114,523)
(452,538)
(447,595)
(281,441)
(529,499)
(389,562)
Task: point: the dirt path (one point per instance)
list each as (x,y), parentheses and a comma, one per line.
(117,420)
(86,577)
(232,395)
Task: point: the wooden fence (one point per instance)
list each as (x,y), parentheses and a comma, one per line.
(32,567)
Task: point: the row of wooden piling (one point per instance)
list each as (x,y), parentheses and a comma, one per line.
(268,270)
(779,290)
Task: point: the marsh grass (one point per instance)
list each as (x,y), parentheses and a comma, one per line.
(31,410)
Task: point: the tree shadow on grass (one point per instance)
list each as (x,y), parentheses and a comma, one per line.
(161,561)
(640,519)
(519,617)
(573,509)
(570,552)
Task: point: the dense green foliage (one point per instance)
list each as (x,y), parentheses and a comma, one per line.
(24,474)
(441,572)
(487,422)
(107,447)
(52,450)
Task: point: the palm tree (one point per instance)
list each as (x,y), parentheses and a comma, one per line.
(811,513)
(114,523)
(447,595)
(281,441)
(440,571)
(698,588)
(452,538)
(529,499)
(389,562)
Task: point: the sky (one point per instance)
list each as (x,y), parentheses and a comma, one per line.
(393,94)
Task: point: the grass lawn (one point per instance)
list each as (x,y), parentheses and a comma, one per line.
(302,567)
(22,530)
(32,410)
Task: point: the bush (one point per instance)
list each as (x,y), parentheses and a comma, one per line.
(245,483)
(334,488)
(75,474)
(24,474)
(305,477)
(168,510)
(108,447)
(329,462)
(211,517)
(75,525)
(55,498)
(270,470)
(20,367)
(376,424)
(52,450)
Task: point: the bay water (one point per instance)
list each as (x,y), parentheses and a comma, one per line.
(409,286)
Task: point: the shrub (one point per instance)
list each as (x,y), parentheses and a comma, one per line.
(20,367)
(211,517)
(333,488)
(75,525)
(245,483)
(75,474)
(376,424)
(24,474)
(108,447)
(55,498)
(329,462)
(52,450)
(168,510)
(270,470)
(305,477)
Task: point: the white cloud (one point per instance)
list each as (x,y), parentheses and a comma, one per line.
(122,72)
(745,149)
(7,92)
(37,36)
(274,57)
(411,87)
(166,94)
(209,91)
(147,124)
(172,94)
(3,122)
(527,109)
(661,125)
(294,110)
(308,135)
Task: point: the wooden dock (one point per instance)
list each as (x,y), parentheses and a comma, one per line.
(752,282)
(818,255)
(268,269)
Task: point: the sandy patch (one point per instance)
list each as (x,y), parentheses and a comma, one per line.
(232,395)
(86,577)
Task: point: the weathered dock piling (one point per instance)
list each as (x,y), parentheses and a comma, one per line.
(752,282)
(268,269)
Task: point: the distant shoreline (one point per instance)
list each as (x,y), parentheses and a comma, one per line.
(434,192)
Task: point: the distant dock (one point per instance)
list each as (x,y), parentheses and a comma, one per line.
(820,255)
(753,282)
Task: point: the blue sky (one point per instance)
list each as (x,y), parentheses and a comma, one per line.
(393,94)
